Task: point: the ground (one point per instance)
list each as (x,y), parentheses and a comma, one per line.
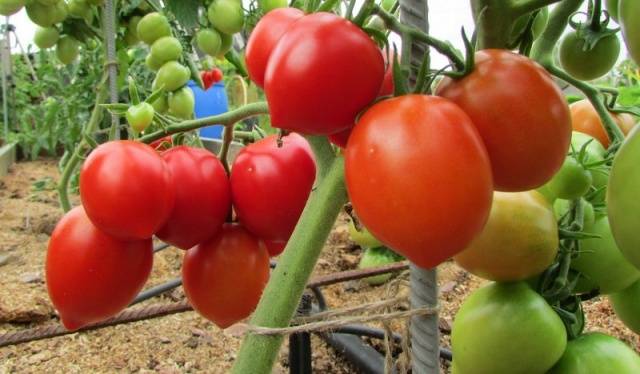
(179,343)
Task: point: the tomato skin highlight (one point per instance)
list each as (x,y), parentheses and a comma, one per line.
(400,163)
(92,276)
(264,38)
(224,277)
(321,60)
(597,353)
(203,197)
(506,328)
(527,140)
(127,189)
(270,185)
(520,239)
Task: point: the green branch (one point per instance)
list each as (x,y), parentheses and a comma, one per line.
(276,308)
(324,153)
(224,119)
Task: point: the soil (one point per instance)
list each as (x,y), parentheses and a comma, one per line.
(178,343)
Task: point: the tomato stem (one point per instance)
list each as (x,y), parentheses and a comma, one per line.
(276,308)
(542,50)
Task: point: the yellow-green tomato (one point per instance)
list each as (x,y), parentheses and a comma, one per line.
(46,37)
(152,27)
(506,328)
(140,116)
(172,76)
(363,237)
(519,240)
(152,63)
(9,7)
(181,103)
(626,304)
(596,353)
(226,15)
(67,49)
(60,11)
(209,41)
(601,262)
(166,49)
(79,9)
(41,15)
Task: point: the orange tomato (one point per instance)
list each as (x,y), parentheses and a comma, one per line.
(585,119)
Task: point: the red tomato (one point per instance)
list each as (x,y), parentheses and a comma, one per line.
(92,276)
(224,276)
(207,79)
(216,75)
(340,139)
(275,247)
(270,185)
(419,177)
(264,38)
(320,62)
(203,197)
(127,189)
(521,115)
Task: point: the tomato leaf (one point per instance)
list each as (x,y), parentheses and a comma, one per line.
(399,76)
(186,11)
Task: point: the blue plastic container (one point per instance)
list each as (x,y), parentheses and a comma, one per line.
(209,103)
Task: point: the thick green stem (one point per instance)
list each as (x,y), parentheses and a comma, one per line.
(542,50)
(76,157)
(276,308)
(228,118)
(324,155)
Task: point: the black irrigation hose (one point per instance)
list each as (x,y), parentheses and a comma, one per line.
(157,290)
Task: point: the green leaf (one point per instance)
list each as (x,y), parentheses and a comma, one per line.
(629,96)
(185,11)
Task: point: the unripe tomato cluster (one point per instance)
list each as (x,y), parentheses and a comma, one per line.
(183,195)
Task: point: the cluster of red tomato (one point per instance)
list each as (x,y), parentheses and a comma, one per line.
(100,254)
(211,77)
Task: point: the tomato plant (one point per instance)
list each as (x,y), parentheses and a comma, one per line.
(597,353)
(512,319)
(223,277)
(528,140)
(126,189)
(91,276)
(294,88)
(385,177)
(270,184)
(202,199)
(520,239)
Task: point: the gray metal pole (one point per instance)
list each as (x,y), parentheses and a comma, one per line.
(109,21)
(424,287)
(6,70)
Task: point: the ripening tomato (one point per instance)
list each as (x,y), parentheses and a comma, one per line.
(223,277)
(527,140)
(626,304)
(628,11)
(127,189)
(597,353)
(419,177)
(506,328)
(623,204)
(264,38)
(519,240)
(321,60)
(203,197)
(91,276)
(586,120)
(270,185)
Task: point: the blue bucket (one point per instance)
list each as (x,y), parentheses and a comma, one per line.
(209,103)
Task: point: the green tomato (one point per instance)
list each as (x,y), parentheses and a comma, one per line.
(561,207)
(161,104)
(628,11)
(387,4)
(140,116)
(545,191)
(376,257)
(225,45)
(166,49)
(626,304)
(588,64)
(80,9)
(209,41)
(181,103)
(612,8)
(623,203)
(152,27)
(571,181)
(41,15)
(601,262)
(152,63)
(226,15)
(172,76)
(132,25)
(269,5)
(60,11)
(67,49)
(594,153)
(506,328)
(46,37)
(597,353)
(363,237)
(9,7)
